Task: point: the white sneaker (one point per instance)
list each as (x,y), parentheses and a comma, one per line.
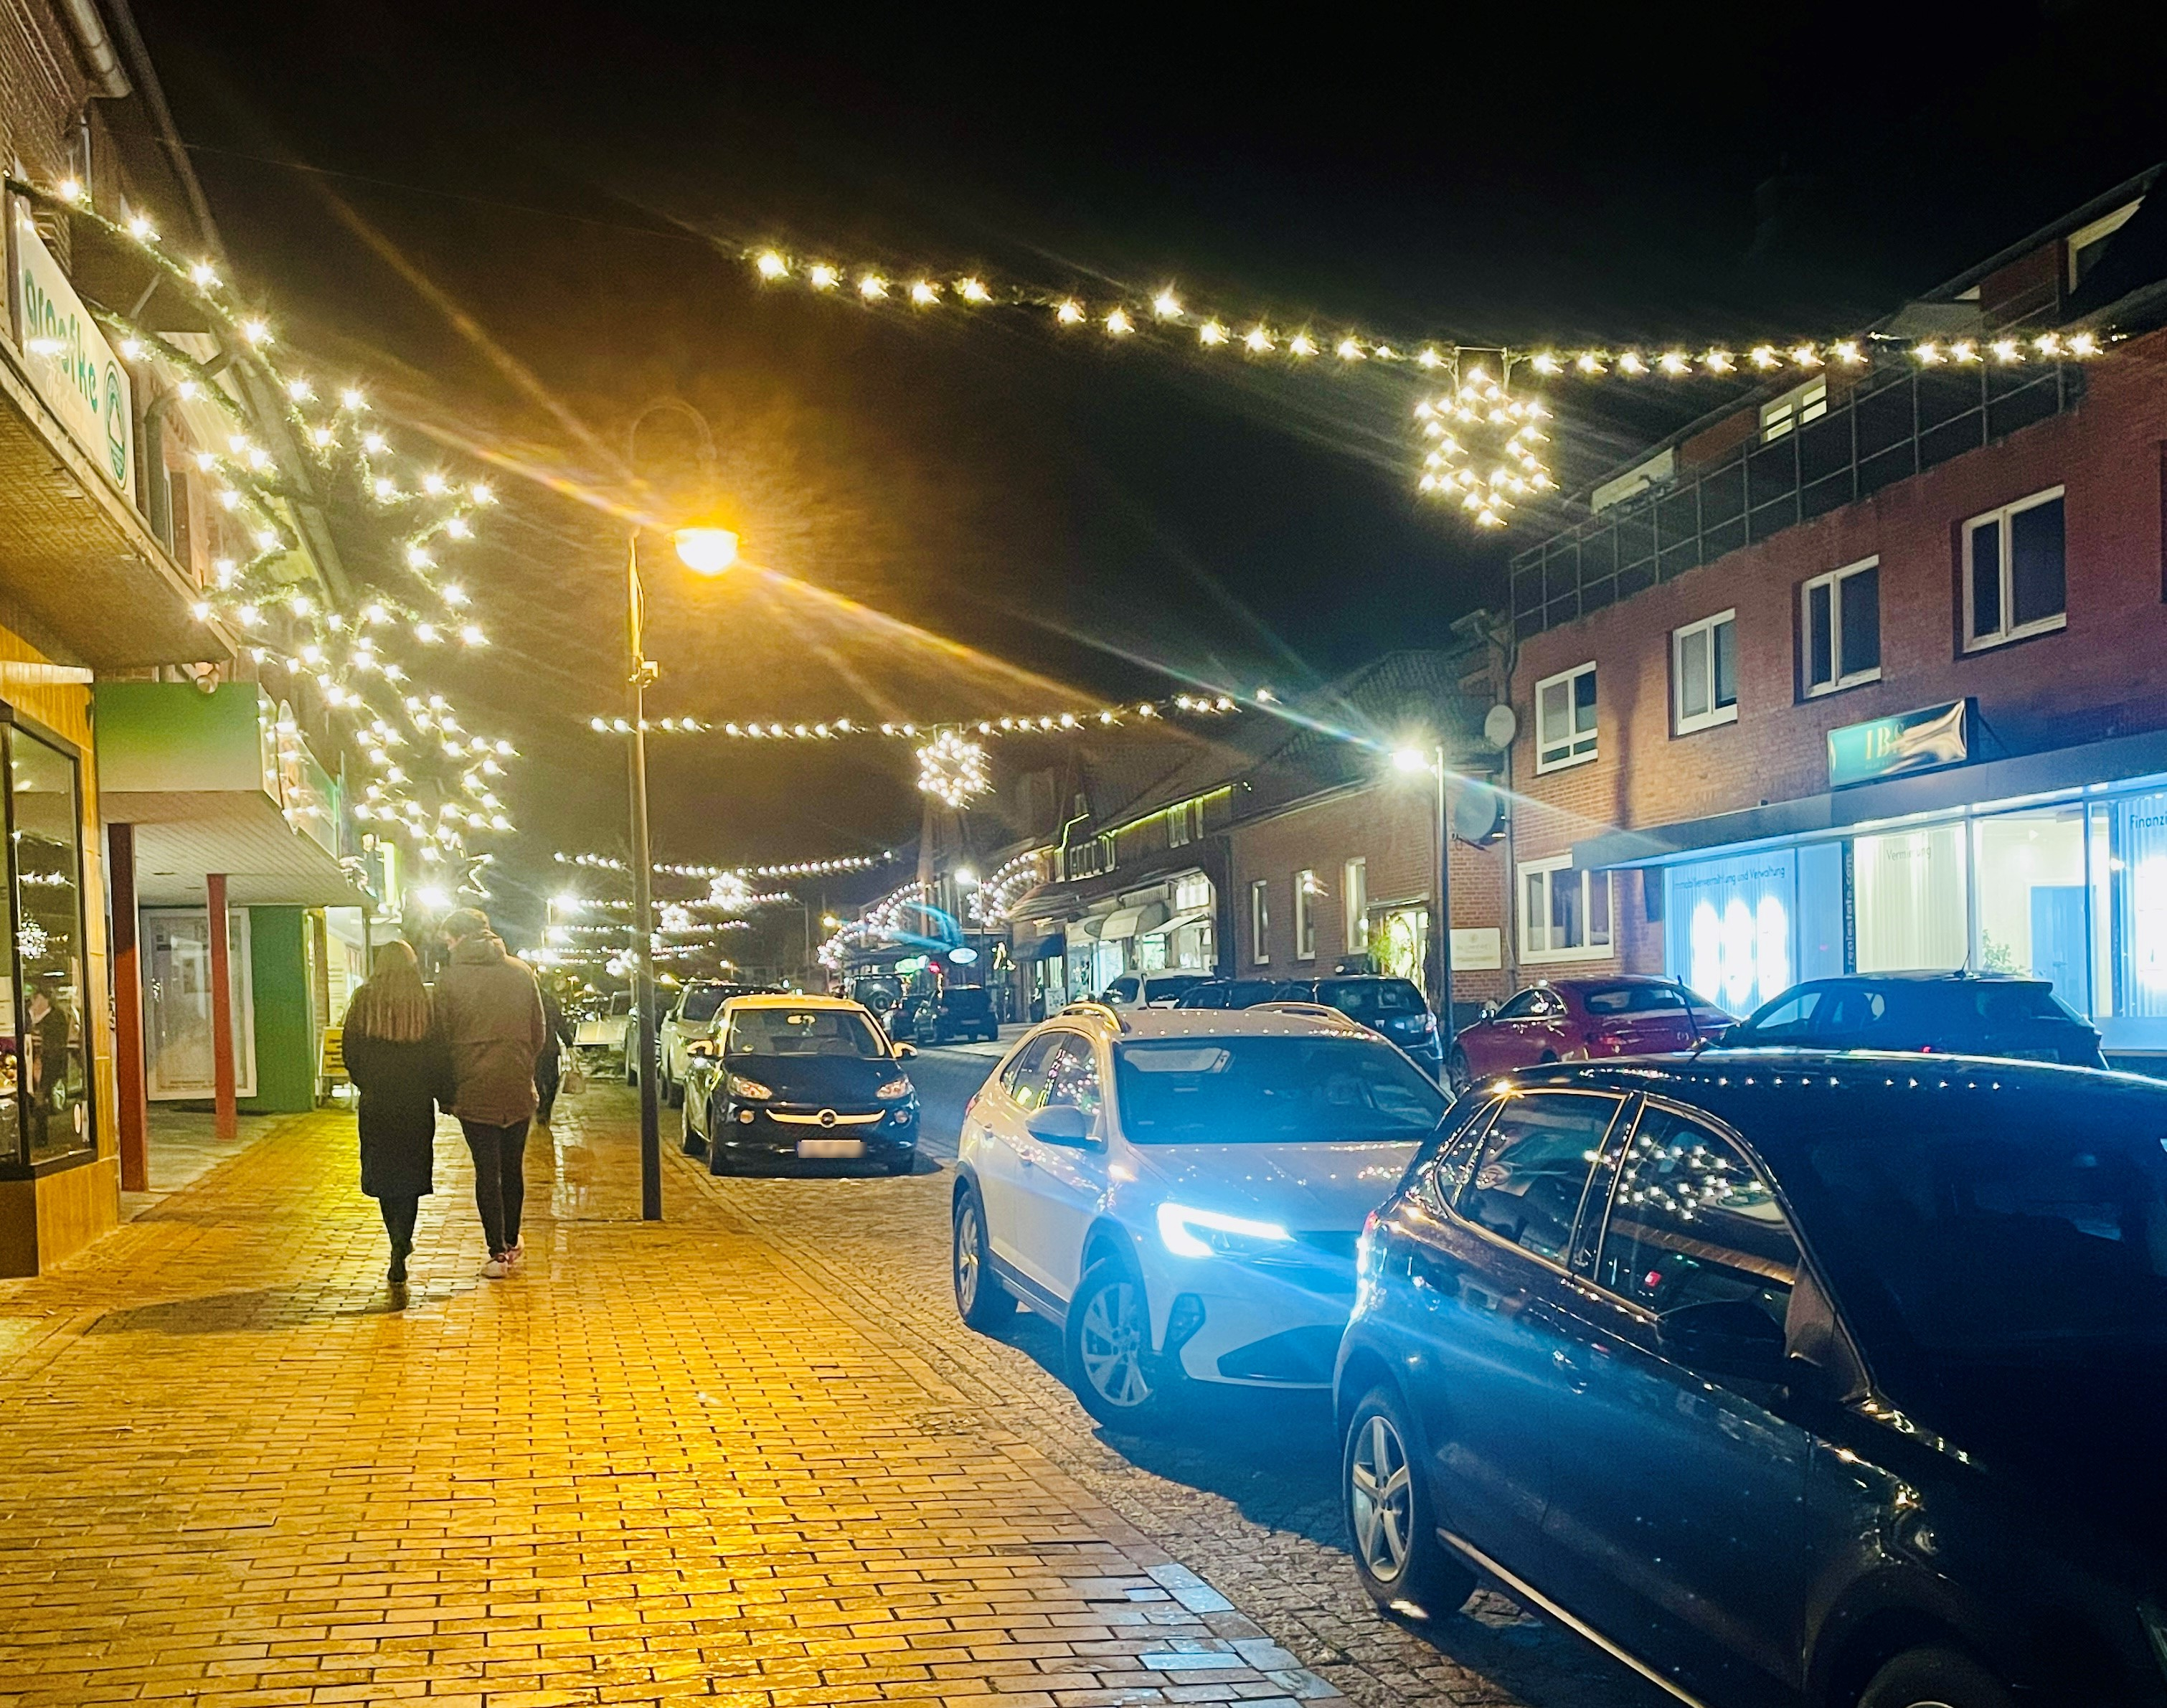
(494,1270)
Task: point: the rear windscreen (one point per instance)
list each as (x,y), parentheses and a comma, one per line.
(1361,998)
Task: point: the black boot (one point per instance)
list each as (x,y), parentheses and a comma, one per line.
(396,1274)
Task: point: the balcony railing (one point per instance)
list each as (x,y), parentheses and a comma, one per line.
(1892,424)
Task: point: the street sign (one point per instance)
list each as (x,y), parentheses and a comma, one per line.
(67,358)
(1927,739)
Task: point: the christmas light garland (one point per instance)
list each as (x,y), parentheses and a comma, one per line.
(1015,879)
(288,629)
(1074,720)
(833,865)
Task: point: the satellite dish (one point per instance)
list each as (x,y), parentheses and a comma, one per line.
(1478,810)
(1499,726)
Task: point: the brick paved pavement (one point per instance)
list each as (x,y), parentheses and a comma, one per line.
(743,1457)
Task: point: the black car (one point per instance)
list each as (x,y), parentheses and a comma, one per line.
(806,1079)
(1393,1006)
(960,1011)
(1957,1014)
(1834,1379)
(1229,993)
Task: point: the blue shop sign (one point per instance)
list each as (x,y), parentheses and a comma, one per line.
(1927,739)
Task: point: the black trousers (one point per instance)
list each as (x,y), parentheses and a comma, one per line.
(548,1074)
(399,1214)
(500,1179)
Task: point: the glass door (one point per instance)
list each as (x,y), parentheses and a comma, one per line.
(177,1037)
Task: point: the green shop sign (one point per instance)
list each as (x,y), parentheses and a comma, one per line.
(1926,739)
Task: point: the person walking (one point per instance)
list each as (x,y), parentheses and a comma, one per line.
(490,1008)
(550,1065)
(396,1056)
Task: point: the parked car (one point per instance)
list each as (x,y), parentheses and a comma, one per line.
(1179,1190)
(1228,992)
(601,1029)
(1948,1013)
(788,1078)
(691,1017)
(1393,1008)
(942,1018)
(1565,1020)
(1837,1383)
(1150,989)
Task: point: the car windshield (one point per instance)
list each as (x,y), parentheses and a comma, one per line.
(1633,999)
(1166,988)
(1362,998)
(2017,1232)
(701,1005)
(1271,1090)
(803,1032)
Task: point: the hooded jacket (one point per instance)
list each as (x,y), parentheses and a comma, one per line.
(489,1008)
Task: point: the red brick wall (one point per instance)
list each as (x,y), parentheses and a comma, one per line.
(2104,675)
(1392,827)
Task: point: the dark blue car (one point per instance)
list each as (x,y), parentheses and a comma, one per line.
(1784,1377)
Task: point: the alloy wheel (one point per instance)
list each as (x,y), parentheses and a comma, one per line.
(1112,1345)
(966,1255)
(1381,1498)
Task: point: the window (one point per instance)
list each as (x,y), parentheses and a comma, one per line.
(1693,1224)
(1565,718)
(1565,915)
(46,1007)
(1306,891)
(1526,1188)
(1072,1078)
(1705,673)
(1260,921)
(1443,1177)
(1531,1004)
(1025,1079)
(1192,893)
(1790,1021)
(1793,409)
(1088,859)
(1184,824)
(1840,628)
(1354,904)
(2014,584)
(1254,1089)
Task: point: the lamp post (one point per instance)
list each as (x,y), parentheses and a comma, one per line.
(705,551)
(1412,759)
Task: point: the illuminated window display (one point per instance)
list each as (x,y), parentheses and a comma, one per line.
(45,1099)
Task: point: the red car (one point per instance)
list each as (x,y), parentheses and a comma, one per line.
(1568,1019)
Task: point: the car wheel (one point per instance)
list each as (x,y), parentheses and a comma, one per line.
(1935,1677)
(1458,1075)
(1398,1556)
(981,1300)
(1110,1363)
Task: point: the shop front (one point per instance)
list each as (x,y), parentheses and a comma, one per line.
(1172,925)
(2025,866)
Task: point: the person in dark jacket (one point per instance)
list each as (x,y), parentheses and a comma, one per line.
(491,1008)
(550,1065)
(396,1056)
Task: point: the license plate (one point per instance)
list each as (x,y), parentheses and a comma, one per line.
(824,1147)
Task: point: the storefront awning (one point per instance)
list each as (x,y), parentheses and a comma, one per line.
(2061,770)
(1047,948)
(1168,927)
(1124,923)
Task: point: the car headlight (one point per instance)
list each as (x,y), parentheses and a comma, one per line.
(893,1090)
(1191,1232)
(750,1090)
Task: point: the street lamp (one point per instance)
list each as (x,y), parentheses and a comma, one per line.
(1408,761)
(705,551)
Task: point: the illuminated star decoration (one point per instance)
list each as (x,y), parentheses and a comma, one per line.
(952,769)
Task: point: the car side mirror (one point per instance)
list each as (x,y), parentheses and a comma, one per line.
(1725,1337)
(903,1053)
(1063,1124)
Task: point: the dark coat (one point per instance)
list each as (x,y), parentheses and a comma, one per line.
(400,1086)
(489,1007)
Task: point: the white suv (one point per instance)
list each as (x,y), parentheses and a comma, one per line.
(1181,1191)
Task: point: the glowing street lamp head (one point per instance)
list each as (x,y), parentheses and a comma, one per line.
(1410,760)
(706,551)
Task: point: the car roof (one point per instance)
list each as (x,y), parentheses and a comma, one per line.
(1927,976)
(785,1000)
(1132,1023)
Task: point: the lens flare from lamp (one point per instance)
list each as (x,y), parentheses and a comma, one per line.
(706,551)
(1410,760)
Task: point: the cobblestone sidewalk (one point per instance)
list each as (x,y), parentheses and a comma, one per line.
(660,1465)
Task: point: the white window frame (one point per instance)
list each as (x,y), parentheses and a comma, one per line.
(1833,581)
(2001,519)
(1354,904)
(1260,921)
(1793,409)
(1575,754)
(1533,955)
(1306,892)
(1682,722)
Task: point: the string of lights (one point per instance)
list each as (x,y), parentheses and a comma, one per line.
(1007,885)
(837,728)
(432,783)
(833,866)
(877,923)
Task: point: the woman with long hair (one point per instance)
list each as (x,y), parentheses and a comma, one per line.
(396,1056)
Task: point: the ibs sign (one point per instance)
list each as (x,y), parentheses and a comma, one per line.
(67,358)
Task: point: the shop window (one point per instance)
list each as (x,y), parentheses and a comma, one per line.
(1355,901)
(45,1092)
(1260,921)
(1306,892)
(1192,893)
(1730,927)
(1399,941)
(1840,628)
(1565,718)
(2015,579)
(2129,889)
(1780,416)
(1705,673)
(1912,909)
(2030,872)
(1565,915)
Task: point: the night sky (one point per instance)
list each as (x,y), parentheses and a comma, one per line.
(508,219)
